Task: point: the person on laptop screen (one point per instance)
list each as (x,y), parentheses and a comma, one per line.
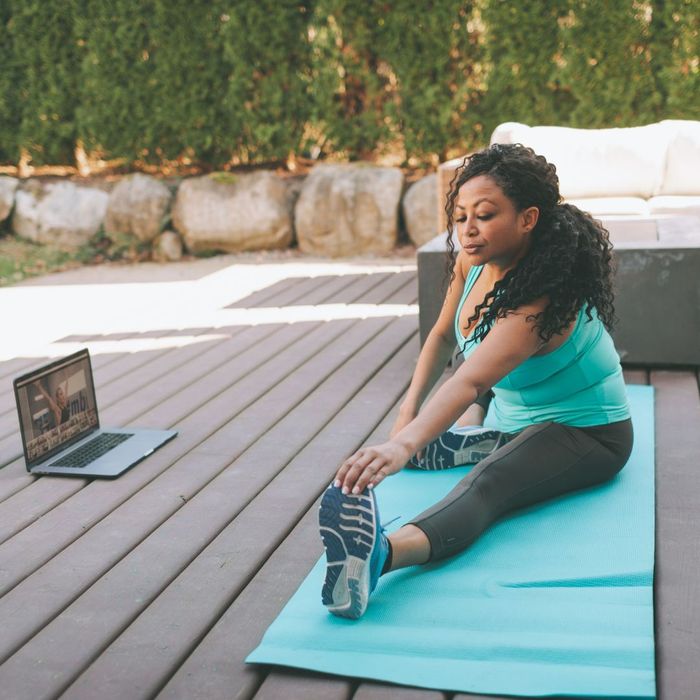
(59,406)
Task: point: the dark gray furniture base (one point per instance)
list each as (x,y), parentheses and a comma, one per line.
(657,298)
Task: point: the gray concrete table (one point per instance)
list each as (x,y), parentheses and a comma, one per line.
(657,294)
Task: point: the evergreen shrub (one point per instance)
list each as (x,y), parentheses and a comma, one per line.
(219,82)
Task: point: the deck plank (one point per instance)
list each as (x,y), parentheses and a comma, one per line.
(174,375)
(288,683)
(218,399)
(635,375)
(100,362)
(302,353)
(677,604)
(279,291)
(261,487)
(222,671)
(120,364)
(344,295)
(14,475)
(296,290)
(131,372)
(378,691)
(395,288)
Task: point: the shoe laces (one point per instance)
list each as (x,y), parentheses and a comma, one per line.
(384,526)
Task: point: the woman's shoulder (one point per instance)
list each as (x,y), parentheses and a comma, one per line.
(462,266)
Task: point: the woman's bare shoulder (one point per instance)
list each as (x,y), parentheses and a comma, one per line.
(462,265)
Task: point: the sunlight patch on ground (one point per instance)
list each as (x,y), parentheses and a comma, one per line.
(127,345)
(38,315)
(221,318)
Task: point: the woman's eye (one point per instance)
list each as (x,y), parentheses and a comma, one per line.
(484,217)
(461,219)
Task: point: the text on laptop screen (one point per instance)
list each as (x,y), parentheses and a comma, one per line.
(56,406)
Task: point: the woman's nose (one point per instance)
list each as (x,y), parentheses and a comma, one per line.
(470,227)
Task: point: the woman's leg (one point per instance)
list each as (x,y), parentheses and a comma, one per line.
(542,462)
(476,413)
(466,442)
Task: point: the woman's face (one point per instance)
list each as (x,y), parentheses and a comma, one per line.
(60,397)
(489,228)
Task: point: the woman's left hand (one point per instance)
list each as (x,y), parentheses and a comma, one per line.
(369,466)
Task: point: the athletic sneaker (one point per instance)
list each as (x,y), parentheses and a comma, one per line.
(459,447)
(356,549)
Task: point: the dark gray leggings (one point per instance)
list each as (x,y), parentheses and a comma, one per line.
(541,462)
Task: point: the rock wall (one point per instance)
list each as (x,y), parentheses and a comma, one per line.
(336,210)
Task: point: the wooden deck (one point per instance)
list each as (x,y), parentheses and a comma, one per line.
(159,583)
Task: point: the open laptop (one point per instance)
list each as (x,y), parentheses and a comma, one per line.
(60,426)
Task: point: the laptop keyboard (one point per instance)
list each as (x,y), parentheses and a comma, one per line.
(91,450)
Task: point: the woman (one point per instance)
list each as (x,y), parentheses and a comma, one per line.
(530,300)
(59,407)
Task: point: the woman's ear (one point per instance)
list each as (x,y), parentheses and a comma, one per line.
(529,218)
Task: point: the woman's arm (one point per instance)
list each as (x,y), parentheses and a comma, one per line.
(510,342)
(52,404)
(436,351)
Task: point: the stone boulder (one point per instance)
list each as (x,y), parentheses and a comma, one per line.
(60,214)
(348,210)
(167,247)
(233,213)
(8,187)
(137,206)
(419,207)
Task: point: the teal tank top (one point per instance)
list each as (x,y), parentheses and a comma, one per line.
(579,384)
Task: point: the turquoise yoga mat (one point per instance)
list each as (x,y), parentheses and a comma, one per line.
(554,600)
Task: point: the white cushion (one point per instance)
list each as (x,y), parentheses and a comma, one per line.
(625,162)
(612,205)
(510,132)
(682,174)
(688,206)
(630,229)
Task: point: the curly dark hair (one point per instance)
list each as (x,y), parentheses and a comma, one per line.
(570,256)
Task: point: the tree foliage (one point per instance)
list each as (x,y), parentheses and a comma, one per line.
(216,82)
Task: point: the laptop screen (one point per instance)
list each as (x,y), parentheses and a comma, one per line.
(56,405)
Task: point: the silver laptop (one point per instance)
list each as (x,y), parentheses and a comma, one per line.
(60,425)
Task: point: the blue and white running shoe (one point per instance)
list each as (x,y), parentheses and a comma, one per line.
(356,549)
(455,448)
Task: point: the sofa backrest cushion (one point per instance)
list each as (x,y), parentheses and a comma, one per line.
(682,176)
(627,162)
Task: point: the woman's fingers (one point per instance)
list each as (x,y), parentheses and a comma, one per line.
(365,476)
(358,474)
(369,466)
(360,458)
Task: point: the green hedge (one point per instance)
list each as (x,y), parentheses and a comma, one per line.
(43,80)
(608,66)
(221,81)
(9,82)
(115,109)
(267,99)
(679,73)
(524,53)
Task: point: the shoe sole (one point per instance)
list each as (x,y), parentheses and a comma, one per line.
(348,527)
(473,449)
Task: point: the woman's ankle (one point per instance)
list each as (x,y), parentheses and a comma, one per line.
(409,546)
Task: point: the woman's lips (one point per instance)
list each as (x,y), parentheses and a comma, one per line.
(472,248)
